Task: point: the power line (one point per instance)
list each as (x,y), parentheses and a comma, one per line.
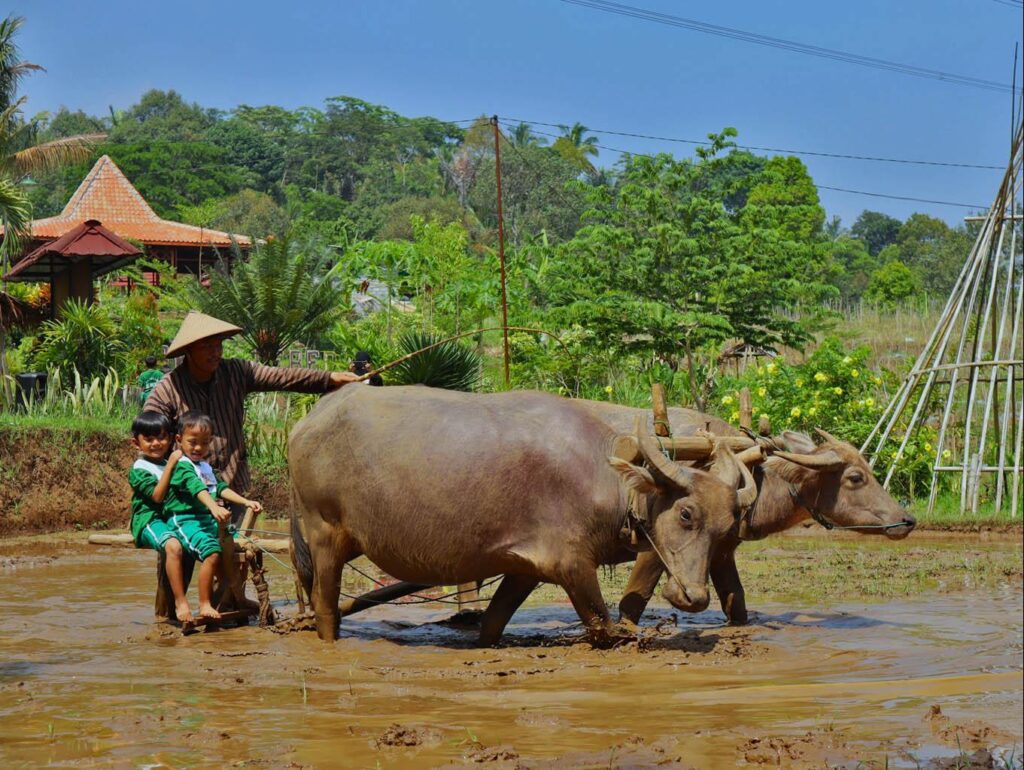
(1011,3)
(606,6)
(973,206)
(844,156)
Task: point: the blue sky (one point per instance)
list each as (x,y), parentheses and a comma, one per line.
(546,60)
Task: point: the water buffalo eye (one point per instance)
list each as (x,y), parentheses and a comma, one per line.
(856,478)
(684,515)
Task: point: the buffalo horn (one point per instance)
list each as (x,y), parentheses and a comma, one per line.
(820,461)
(826,435)
(746,492)
(677,474)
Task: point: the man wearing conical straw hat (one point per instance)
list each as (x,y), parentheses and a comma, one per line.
(208,382)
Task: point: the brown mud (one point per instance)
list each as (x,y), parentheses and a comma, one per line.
(931,680)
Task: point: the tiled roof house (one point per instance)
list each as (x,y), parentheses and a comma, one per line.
(106,195)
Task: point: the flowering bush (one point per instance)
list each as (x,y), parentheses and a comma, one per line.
(836,390)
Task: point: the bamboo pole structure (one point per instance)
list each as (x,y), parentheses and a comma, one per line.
(976,342)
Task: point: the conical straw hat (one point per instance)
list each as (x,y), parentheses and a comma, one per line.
(198,326)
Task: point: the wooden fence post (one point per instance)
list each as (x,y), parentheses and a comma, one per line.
(661,424)
(746,415)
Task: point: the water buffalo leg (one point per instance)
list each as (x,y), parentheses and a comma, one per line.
(726,580)
(329,552)
(511,593)
(585,594)
(643,581)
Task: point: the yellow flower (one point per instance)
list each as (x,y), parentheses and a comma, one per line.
(946,454)
(927,447)
(838,391)
(821,377)
(726,400)
(812,411)
(794,412)
(847,360)
(608,389)
(878,380)
(762,391)
(771,368)
(734,416)
(869,402)
(799,383)
(854,373)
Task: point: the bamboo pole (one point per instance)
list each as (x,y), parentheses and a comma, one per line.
(968,481)
(993,392)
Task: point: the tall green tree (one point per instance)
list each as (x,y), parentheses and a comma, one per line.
(876,230)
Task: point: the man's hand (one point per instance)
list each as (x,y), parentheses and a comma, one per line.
(342,378)
(221,514)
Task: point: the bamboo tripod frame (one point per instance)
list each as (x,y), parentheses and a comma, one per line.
(977,343)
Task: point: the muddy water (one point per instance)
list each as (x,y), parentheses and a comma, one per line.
(86,680)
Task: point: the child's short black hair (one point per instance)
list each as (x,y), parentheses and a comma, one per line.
(151,424)
(195,420)
(150,361)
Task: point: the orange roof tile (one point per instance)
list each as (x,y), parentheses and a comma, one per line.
(106,195)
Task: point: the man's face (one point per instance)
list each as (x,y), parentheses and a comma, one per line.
(204,356)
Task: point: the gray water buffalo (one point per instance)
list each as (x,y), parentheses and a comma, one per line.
(831,482)
(439,487)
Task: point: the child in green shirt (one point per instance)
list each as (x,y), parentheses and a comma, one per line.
(149,479)
(149,378)
(191,507)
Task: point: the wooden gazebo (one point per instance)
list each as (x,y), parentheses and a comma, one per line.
(73,261)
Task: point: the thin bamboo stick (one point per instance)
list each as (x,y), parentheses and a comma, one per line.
(993,391)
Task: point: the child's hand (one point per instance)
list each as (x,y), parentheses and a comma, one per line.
(221,514)
(256,505)
(176,455)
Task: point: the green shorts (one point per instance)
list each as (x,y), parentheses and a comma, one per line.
(155,535)
(197,533)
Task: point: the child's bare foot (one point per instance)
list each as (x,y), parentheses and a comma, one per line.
(183,612)
(207,611)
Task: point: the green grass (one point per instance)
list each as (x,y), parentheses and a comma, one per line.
(947,512)
(68,422)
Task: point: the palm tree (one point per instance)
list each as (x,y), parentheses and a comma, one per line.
(21,155)
(284,292)
(576,147)
(523,136)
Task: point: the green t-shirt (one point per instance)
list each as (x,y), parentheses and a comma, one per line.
(147,381)
(143,478)
(187,481)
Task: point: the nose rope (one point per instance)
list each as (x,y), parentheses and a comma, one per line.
(664,563)
(827,523)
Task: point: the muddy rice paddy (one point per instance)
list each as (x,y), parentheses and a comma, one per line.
(862,653)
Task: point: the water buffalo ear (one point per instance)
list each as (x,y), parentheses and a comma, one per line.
(637,478)
(799,443)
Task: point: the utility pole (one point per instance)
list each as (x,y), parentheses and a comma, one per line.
(501,242)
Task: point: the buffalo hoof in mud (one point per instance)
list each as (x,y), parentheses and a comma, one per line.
(612,636)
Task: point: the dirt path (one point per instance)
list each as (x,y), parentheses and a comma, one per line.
(87,681)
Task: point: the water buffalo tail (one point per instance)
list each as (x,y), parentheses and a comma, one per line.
(301,559)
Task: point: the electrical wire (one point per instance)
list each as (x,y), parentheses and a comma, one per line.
(705,143)
(620,9)
(976,207)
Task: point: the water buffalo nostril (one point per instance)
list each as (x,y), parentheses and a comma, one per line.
(910,521)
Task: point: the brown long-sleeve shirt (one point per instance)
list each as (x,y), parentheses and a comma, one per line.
(223,399)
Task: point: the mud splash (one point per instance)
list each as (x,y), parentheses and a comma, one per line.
(87,680)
